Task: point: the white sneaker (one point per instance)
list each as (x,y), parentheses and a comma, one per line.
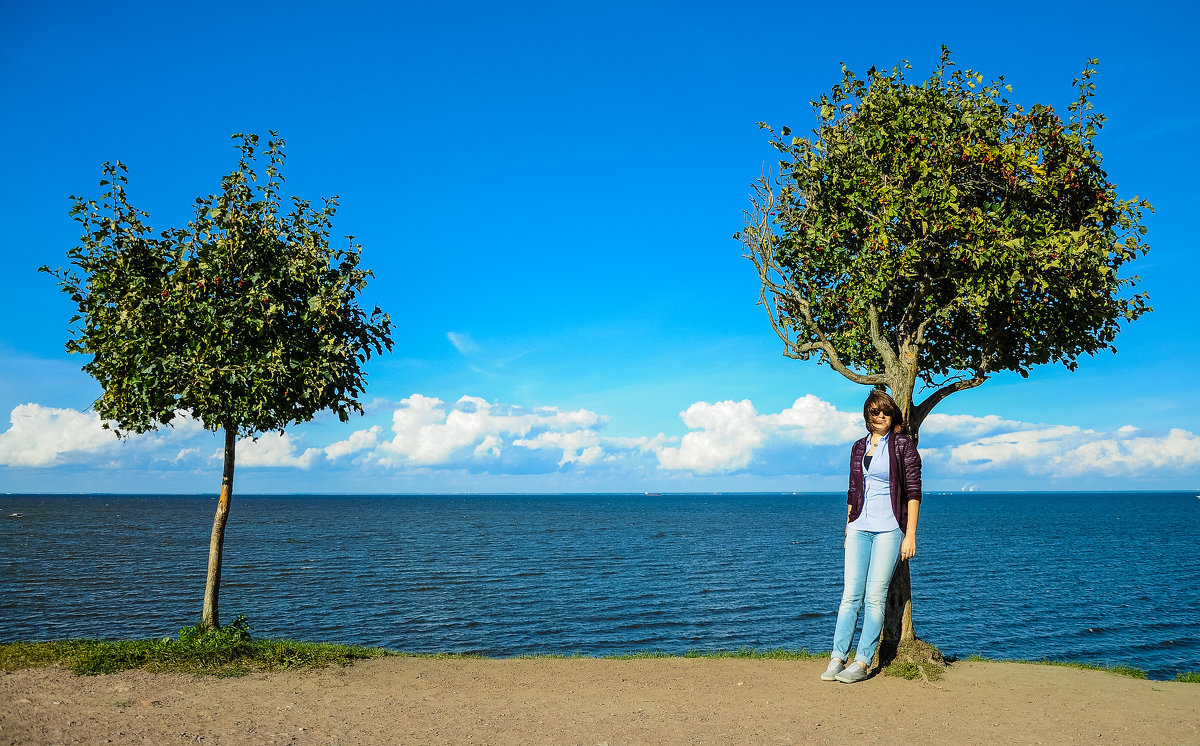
(835,667)
(852,674)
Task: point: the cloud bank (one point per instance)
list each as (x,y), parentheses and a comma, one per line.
(720,439)
(45,436)
(726,436)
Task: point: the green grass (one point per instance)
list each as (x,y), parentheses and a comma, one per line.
(781,654)
(905,670)
(916,659)
(98,657)
(909,670)
(229,651)
(777,654)
(1132,672)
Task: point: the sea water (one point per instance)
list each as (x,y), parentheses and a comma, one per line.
(1106,578)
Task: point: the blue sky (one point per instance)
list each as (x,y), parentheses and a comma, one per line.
(546,193)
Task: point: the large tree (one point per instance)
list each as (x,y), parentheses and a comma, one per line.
(246,320)
(935,234)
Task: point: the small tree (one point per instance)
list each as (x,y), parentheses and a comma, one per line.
(246,320)
(938,233)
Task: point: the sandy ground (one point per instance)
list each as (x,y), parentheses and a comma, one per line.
(588,701)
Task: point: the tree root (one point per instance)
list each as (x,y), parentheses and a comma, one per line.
(916,659)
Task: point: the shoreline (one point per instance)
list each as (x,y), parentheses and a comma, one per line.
(592,700)
(65,653)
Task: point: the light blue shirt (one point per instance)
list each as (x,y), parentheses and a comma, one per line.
(877,512)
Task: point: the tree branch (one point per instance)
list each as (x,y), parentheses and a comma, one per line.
(758,238)
(922,410)
(877,338)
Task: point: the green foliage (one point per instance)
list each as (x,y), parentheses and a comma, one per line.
(247,319)
(228,651)
(910,670)
(904,670)
(938,232)
(1190,677)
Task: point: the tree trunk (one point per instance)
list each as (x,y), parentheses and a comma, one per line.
(212,588)
(897,616)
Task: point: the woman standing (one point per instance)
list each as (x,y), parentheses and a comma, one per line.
(884,502)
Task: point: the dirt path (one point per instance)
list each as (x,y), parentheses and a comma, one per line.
(588,701)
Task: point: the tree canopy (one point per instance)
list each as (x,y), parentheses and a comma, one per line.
(937,233)
(247,319)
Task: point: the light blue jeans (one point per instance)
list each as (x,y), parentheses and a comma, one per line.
(870,561)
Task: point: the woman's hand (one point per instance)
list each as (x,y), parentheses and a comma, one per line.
(908,547)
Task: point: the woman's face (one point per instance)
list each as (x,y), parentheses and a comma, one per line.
(880,420)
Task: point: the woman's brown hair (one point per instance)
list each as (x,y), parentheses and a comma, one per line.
(881,400)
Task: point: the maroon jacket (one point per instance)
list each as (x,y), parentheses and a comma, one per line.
(905,477)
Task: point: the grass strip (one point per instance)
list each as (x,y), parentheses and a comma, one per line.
(776,654)
(158,656)
(230,651)
(1132,672)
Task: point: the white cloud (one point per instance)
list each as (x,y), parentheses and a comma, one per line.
(462,342)
(273,449)
(1066,451)
(815,422)
(43,436)
(359,440)
(1027,446)
(723,438)
(726,436)
(427,432)
(1127,455)
(39,435)
(490,446)
(578,446)
(186,454)
(965,425)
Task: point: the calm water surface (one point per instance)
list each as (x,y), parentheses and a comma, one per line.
(1100,577)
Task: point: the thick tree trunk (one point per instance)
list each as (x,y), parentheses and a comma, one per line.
(212,588)
(897,617)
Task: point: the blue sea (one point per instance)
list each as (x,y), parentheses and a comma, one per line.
(1106,578)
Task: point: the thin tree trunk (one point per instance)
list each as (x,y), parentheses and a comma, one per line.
(212,588)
